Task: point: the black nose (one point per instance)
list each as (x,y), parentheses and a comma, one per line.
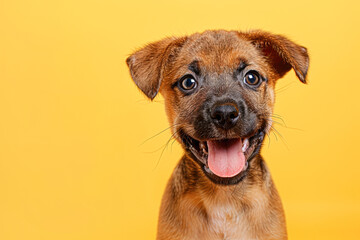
(225,115)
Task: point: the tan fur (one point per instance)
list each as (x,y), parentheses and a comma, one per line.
(208,211)
(193,207)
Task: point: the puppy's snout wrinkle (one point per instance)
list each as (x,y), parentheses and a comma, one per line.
(225,115)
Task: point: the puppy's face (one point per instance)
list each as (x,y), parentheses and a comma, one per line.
(219,92)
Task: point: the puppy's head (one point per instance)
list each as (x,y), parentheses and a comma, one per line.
(218,88)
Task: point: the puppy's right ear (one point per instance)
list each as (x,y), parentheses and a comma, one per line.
(147,64)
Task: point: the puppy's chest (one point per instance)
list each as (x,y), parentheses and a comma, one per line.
(227,222)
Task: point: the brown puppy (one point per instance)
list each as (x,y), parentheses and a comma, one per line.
(218,88)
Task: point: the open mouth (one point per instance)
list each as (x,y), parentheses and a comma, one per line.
(224,161)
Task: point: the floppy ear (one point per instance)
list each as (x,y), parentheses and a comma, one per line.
(147,64)
(281,53)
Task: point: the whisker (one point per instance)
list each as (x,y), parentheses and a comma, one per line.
(274,135)
(157,134)
(278,115)
(281,137)
(156,150)
(269,139)
(164,148)
(279,123)
(284,88)
(283,124)
(172,144)
(279,118)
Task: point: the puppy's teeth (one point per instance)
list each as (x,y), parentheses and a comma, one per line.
(203,147)
(207,169)
(245,145)
(204,151)
(246,165)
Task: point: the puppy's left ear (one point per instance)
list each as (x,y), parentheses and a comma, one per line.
(147,65)
(281,53)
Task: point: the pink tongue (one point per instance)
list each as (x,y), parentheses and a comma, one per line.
(225,158)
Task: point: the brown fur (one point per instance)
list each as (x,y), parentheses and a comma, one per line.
(194,207)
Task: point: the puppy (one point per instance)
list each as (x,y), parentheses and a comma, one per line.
(218,88)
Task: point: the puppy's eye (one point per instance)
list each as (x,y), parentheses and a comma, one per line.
(188,83)
(252,78)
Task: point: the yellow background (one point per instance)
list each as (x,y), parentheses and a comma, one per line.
(72,123)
